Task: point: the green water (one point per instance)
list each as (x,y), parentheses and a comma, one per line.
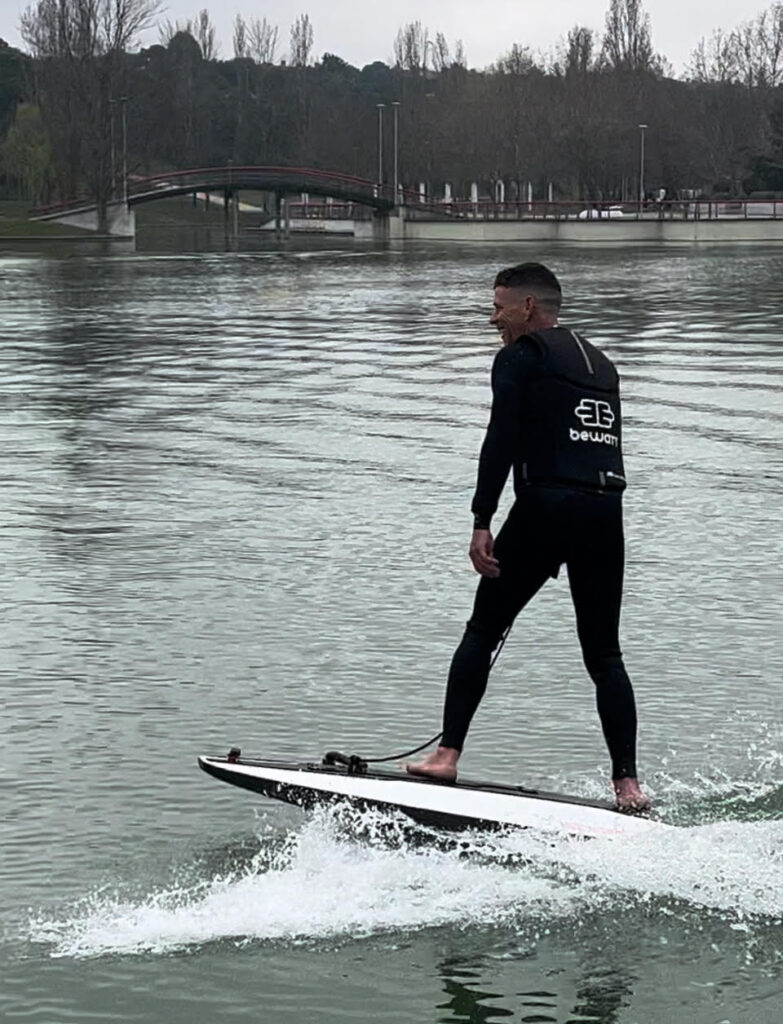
(236,492)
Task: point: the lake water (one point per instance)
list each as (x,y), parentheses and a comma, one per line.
(236,511)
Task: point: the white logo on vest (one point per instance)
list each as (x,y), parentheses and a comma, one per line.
(595,413)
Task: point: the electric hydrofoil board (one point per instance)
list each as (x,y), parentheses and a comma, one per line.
(455,805)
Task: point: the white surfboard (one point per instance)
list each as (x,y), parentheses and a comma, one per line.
(462,804)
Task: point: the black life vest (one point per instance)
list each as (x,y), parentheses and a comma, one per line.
(570,430)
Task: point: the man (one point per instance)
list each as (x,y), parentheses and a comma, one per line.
(556,419)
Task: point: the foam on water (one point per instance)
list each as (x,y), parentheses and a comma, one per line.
(322,884)
(325,883)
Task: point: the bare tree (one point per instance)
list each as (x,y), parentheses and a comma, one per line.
(262,40)
(441,54)
(168,29)
(758,48)
(240,38)
(580,50)
(84,29)
(771,33)
(751,55)
(301,41)
(411,46)
(80,45)
(206,36)
(714,59)
(518,61)
(201,28)
(627,42)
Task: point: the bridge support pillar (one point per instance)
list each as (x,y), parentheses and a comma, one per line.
(383,226)
(282,217)
(230,215)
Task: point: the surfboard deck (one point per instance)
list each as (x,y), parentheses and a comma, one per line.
(459,805)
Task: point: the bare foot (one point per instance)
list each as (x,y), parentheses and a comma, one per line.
(629,797)
(442,764)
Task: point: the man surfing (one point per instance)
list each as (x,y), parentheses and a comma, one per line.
(556,420)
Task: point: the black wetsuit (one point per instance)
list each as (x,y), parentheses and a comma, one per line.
(567,512)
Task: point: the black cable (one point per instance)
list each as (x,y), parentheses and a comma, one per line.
(503,639)
(397,757)
(416,750)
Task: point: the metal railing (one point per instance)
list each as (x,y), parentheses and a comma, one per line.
(602,212)
(265,178)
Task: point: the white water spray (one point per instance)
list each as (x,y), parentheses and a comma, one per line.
(324,884)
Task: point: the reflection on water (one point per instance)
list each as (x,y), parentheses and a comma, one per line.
(601,996)
(236,508)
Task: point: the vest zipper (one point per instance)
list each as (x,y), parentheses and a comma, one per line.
(585,356)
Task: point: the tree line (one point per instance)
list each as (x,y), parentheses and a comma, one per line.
(569,119)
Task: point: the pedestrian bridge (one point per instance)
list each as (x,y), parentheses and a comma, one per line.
(280,180)
(230,181)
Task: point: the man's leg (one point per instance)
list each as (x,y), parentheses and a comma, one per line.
(523,571)
(595,575)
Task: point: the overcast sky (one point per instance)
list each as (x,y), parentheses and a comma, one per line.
(487,27)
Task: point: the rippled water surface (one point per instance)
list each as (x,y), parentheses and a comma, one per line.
(236,492)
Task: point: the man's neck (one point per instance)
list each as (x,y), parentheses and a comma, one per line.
(537,323)
(541,323)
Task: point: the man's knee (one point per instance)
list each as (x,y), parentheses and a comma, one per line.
(478,635)
(605,669)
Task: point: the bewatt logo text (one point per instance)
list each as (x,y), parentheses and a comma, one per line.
(595,413)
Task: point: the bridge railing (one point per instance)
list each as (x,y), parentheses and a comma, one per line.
(264,178)
(320,209)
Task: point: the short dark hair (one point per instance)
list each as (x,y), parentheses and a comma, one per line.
(539,279)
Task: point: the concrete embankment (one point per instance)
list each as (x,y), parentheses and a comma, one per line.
(603,232)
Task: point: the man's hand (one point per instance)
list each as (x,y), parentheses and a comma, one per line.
(481,545)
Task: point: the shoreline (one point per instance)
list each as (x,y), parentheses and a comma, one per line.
(65,238)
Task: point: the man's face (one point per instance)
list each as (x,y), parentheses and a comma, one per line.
(511,312)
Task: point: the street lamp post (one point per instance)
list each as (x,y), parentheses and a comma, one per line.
(642,129)
(113,154)
(380,107)
(396,107)
(124,102)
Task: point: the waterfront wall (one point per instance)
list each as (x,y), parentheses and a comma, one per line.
(602,232)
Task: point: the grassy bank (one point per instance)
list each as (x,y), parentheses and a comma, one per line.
(180,212)
(177,212)
(14,223)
